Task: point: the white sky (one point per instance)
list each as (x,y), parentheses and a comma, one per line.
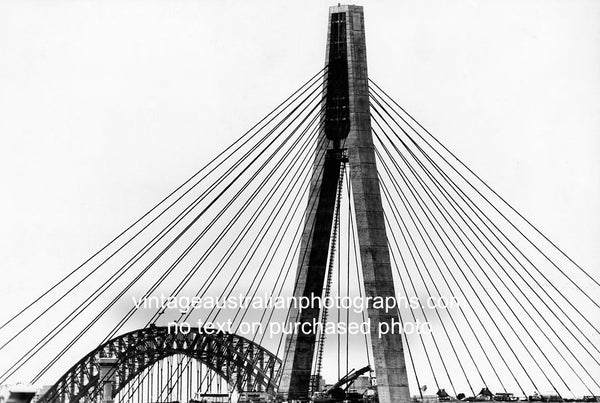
(106,106)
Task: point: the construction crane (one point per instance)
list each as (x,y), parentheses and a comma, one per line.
(338,391)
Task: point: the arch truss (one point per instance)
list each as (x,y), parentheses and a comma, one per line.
(244,364)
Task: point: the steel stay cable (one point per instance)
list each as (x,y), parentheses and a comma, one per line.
(289,267)
(352,233)
(211,377)
(335,244)
(234,283)
(175,384)
(239,175)
(263,164)
(279,164)
(435,379)
(335,251)
(513,313)
(319,344)
(471,204)
(299,236)
(513,245)
(415,248)
(358,277)
(280,239)
(412,362)
(161,388)
(295,209)
(524,295)
(413,315)
(347,290)
(522,307)
(489,264)
(485,290)
(280,227)
(294,119)
(289,310)
(462,257)
(36,300)
(298,232)
(64,320)
(334,240)
(199,384)
(502,199)
(268,160)
(429,214)
(422,310)
(301,262)
(115,279)
(179,358)
(546,305)
(136,390)
(312,203)
(535,309)
(238,272)
(288,316)
(222,234)
(188,316)
(262,207)
(166,387)
(413,215)
(204,256)
(297,243)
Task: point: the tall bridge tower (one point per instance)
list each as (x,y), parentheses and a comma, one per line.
(347,126)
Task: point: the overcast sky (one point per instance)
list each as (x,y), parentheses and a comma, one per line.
(106,106)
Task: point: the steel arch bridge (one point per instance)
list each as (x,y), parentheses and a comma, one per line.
(241,362)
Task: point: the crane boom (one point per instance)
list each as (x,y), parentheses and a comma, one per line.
(348,379)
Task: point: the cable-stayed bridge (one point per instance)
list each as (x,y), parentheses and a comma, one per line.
(338,192)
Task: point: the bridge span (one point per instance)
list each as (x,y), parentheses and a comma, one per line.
(106,370)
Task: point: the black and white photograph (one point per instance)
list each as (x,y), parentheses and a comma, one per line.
(273,201)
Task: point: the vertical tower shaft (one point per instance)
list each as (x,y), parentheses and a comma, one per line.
(388,352)
(347,124)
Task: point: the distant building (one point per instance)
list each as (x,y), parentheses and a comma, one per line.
(321,383)
(17,393)
(40,392)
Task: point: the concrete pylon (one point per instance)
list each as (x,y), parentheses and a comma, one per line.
(348,129)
